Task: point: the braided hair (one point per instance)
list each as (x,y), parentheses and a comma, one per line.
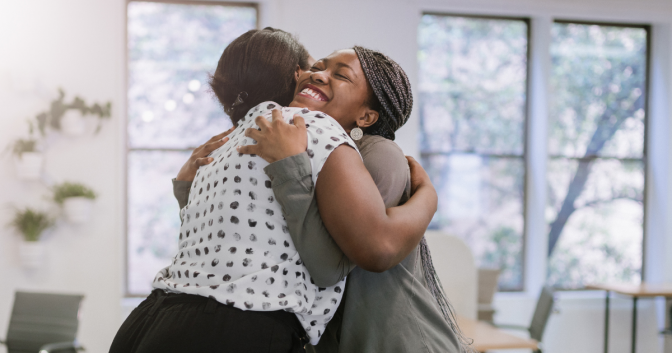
(393,100)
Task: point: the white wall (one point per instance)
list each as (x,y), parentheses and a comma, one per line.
(77,45)
(80,45)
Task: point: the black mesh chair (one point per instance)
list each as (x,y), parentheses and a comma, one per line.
(540,318)
(43,323)
(668,331)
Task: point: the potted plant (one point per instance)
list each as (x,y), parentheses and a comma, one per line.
(31,224)
(27,159)
(76,200)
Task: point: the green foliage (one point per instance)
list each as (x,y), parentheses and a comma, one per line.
(59,107)
(66,189)
(31,223)
(22,146)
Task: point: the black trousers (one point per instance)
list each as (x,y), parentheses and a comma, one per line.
(169,322)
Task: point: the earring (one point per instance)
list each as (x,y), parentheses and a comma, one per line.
(356,133)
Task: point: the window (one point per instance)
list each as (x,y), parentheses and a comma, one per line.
(473,78)
(596,154)
(171,49)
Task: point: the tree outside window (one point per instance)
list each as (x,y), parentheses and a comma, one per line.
(596,145)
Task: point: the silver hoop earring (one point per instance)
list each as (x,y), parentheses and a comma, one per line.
(356,133)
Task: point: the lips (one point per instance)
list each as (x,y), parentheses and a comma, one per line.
(313,92)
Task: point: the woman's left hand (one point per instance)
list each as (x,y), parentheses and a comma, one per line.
(276,140)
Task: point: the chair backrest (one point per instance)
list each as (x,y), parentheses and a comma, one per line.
(454,264)
(542,312)
(41,318)
(487,284)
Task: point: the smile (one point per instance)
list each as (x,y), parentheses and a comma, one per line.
(313,92)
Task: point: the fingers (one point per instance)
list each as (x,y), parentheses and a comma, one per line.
(299,122)
(209,147)
(249,149)
(203,161)
(277,116)
(223,134)
(262,123)
(253,133)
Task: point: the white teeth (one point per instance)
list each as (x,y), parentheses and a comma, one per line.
(311,93)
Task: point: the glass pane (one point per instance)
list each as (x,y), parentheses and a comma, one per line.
(598,87)
(153,215)
(598,227)
(472,84)
(171,50)
(481,201)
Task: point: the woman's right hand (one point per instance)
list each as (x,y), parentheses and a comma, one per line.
(200,156)
(419,176)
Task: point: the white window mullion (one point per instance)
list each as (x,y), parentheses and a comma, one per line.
(536,234)
(657,221)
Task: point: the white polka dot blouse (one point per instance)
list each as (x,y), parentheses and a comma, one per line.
(234,244)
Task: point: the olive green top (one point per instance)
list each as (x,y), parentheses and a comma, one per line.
(391,311)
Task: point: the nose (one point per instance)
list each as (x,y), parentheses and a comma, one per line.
(319,77)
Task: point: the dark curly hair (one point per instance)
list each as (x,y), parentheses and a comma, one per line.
(260,63)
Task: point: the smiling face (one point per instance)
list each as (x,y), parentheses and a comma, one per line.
(336,85)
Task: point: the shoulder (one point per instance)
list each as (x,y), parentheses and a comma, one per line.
(387,164)
(381,153)
(262,108)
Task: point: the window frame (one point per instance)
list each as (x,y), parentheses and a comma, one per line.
(526,125)
(546,96)
(647,119)
(127,148)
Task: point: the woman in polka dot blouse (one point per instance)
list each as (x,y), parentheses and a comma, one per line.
(234,243)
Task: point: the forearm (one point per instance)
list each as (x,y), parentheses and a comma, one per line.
(404,227)
(374,237)
(293,187)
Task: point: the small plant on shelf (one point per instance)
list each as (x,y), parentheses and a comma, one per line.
(76,200)
(66,190)
(21,146)
(31,223)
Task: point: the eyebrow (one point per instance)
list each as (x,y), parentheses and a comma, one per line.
(326,61)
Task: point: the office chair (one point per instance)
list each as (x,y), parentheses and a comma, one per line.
(540,318)
(43,323)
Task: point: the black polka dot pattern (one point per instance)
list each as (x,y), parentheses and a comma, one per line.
(234,233)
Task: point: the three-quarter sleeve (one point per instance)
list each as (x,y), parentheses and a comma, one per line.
(181,191)
(292,183)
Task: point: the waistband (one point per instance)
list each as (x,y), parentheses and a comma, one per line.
(162,297)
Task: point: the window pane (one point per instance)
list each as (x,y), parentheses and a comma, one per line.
(598,91)
(481,201)
(596,210)
(153,215)
(472,113)
(602,238)
(472,84)
(171,50)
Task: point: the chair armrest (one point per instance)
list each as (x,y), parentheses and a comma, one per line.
(666,332)
(513,327)
(48,348)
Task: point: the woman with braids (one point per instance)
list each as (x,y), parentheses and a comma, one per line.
(393,305)
(194,307)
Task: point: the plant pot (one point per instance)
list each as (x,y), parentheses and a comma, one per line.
(31,254)
(77,209)
(29,165)
(73,123)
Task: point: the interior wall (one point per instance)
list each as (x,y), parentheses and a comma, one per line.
(79,45)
